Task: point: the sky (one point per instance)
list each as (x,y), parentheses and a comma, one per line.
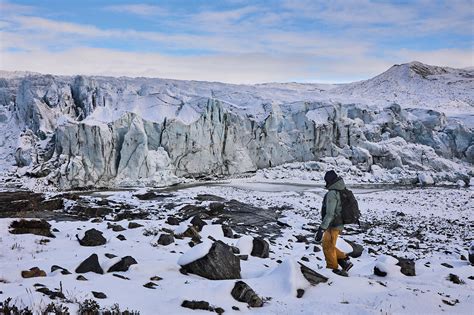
(234,41)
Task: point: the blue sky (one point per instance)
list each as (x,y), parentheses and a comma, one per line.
(233,40)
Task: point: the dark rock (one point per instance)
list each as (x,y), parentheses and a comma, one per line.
(243,257)
(120,276)
(454,279)
(147,196)
(299,293)
(64,271)
(208,197)
(198,223)
(110,256)
(471,277)
(134,225)
(316,249)
(33,273)
(123,264)
(103,202)
(90,264)
(407,266)
(379,272)
(121,237)
(220,263)
(51,294)
(463,258)
(312,276)
(227,231)
(235,250)
(183,271)
(172,220)
(235,308)
(36,227)
(471,259)
(191,232)
(150,285)
(219,310)
(260,248)
(304,258)
(283,224)
(115,227)
(156,278)
(97,220)
(243,293)
(356,249)
(81,278)
(99,295)
(447,265)
(92,237)
(197,305)
(279,261)
(216,208)
(165,239)
(301,239)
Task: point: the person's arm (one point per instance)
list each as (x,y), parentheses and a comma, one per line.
(331,202)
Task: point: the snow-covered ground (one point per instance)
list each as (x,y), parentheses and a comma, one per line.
(431,225)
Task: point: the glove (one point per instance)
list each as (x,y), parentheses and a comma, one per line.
(319,235)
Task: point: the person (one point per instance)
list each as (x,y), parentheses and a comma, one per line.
(331,225)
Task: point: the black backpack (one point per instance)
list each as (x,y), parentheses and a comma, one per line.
(350,212)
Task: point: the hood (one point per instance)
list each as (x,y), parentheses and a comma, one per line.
(338,185)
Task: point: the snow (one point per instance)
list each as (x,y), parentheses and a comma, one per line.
(245,244)
(195,253)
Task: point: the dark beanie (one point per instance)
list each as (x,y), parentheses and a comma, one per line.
(330,177)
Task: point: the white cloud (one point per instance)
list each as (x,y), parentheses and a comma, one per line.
(141,9)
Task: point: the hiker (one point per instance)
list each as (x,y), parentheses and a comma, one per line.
(332,224)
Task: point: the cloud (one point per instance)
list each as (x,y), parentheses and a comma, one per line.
(138,9)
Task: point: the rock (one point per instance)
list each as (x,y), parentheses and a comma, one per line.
(312,276)
(172,220)
(208,197)
(90,264)
(235,308)
(197,305)
(134,225)
(121,237)
(447,265)
(36,227)
(379,272)
(243,293)
(51,294)
(191,232)
(454,279)
(64,271)
(120,276)
(215,208)
(165,239)
(150,285)
(471,253)
(81,278)
(299,293)
(243,257)
(301,239)
(123,264)
(219,310)
(218,264)
(227,231)
(99,295)
(198,223)
(33,273)
(110,256)
(282,224)
(260,248)
(147,196)
(156,278)
(115,227)
(356,249)
(316,249)
(407,266)
(92,237)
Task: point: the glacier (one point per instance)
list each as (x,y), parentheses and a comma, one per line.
(80,132)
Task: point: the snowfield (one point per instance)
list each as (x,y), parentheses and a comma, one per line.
(431,225)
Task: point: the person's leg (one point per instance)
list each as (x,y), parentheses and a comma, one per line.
(340,254)
(329,248)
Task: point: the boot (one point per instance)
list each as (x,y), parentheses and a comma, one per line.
(345,264)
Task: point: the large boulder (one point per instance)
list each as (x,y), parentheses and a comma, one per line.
(92,237)
(90,264)
(356,249)
(407,266)
(123,264)
(218,264)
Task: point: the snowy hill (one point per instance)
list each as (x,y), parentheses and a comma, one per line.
(104,131)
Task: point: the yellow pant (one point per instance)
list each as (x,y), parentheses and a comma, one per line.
(331,252)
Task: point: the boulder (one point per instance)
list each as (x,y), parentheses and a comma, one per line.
(242,292)
(218,264)
(260,248)
(172,220)
(227,230)
(197,305)
(134,225)
(115,227)
(123,264)
(99,295)
(198,223)
(90,264)
(165,239)
(121,237)
(379,272)
(356,249)
(312,276)
(92,237)
(407,266)
(64,271)
(471,253)
(33,273)
(36,227)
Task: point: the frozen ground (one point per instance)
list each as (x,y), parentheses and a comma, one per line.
(431,225)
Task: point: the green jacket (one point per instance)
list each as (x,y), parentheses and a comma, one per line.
(333,206)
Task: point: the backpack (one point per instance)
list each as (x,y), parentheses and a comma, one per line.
(350,212)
